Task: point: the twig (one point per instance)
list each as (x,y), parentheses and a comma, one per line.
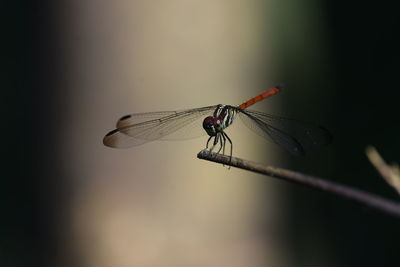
(372,201)
(390,173)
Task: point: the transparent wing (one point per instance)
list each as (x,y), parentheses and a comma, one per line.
(136,129)
(295,136)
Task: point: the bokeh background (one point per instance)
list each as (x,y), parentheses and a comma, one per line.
(77,66)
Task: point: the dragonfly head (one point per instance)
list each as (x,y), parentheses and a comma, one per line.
(212,125)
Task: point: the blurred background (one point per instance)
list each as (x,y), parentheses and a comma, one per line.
(77,66)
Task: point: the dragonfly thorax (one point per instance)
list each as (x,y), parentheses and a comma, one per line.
(222,118)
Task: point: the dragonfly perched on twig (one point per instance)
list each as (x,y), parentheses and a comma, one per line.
(295,136)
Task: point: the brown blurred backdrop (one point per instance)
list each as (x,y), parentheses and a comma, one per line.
(156,205)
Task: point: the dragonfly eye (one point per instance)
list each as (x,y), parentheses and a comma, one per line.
(208,122)
(209,125)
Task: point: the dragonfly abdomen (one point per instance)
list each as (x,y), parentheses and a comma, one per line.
(260,97)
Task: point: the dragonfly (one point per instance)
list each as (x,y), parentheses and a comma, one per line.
(293,135)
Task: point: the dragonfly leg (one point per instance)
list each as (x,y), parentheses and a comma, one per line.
(230,141)
(214,143)
(220,145)
(222,142)
(208,141)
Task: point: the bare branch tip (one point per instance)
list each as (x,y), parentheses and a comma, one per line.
(390,173)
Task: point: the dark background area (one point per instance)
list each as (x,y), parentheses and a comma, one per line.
(362,75)
(29,192)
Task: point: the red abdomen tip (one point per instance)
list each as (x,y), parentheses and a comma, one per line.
(266,94)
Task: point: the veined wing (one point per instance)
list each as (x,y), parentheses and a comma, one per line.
(137,129)
(295,136)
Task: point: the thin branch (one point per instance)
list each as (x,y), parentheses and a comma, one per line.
(369,200)
(390,173)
